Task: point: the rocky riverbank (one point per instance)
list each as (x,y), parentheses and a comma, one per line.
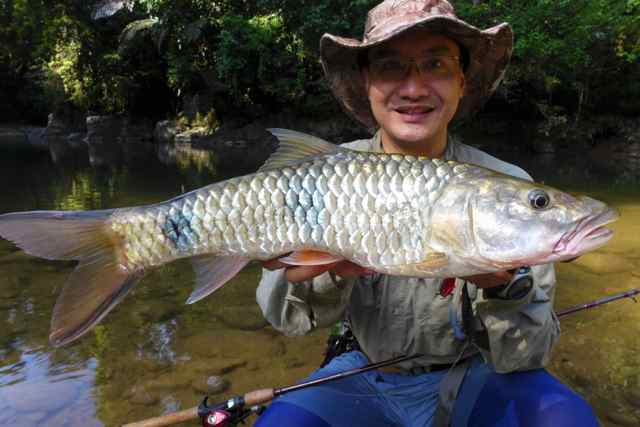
(115,140)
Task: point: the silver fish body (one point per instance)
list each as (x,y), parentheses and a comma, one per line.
(370,208)
(318,204)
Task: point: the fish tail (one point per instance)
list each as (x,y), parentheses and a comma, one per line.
(99,281)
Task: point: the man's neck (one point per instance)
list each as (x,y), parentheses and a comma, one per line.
(433,149)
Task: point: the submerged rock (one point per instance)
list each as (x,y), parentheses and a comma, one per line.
(211,385)
(138,395)
(170,404)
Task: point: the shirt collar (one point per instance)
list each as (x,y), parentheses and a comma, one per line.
(449,151)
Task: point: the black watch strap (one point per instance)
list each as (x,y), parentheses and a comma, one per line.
(520,285)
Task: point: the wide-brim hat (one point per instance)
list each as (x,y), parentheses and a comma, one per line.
(489,53)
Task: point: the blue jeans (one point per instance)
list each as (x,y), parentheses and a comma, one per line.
(376,399)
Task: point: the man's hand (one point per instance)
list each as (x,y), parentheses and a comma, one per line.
(300,273)
(490,280)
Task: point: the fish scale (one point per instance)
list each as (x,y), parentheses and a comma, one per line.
(337,203)
(394,214)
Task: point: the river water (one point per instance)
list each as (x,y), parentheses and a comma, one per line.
(153,354)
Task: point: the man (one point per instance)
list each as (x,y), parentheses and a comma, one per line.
(418,69)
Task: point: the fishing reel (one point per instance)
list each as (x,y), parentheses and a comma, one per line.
(226,414)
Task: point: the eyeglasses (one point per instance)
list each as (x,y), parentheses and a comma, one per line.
(429,67)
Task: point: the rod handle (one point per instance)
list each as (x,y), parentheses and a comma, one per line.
(167,420)
(258,397)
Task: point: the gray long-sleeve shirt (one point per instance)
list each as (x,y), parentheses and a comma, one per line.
(392,315)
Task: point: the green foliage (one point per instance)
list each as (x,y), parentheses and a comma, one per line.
(567,45)
(264,53)
(259,61)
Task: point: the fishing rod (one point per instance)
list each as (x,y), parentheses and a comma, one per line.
(628,294)
(238,408)
(222,414)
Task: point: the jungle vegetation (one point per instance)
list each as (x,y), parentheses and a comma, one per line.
(143,57)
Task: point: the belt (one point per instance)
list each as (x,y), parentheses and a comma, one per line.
(416,370)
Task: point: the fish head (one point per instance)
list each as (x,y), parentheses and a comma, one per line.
(517,222)
(495,222)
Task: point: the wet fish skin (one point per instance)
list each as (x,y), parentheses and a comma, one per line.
(394,214)
(367,207)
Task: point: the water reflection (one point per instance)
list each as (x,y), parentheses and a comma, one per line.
(153,354)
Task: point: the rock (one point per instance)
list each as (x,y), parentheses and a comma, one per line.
(165,132)
(69,148)
(102,140)
(112,139)
(211,385)
(138,395)
(624,420)
(169,404)
(633,149)
(65,120)
(77,140)
(242,318)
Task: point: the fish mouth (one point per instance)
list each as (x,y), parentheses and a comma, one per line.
(588,234)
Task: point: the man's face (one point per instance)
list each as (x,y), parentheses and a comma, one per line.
(414,108)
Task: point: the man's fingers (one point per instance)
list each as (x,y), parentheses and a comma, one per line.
(347,269)
(490,280)
(273,264)
(344,269)
(305,272)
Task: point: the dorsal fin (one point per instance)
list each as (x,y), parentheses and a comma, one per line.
(295,147)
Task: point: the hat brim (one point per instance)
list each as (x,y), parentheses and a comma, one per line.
(489,54)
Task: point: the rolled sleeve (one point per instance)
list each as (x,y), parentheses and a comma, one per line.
(297,309)
(521,333)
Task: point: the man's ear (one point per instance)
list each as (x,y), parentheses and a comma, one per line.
(463,84)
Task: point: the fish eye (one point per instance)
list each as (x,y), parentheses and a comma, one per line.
(539,199)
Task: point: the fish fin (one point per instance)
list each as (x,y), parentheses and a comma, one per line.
(310,257)
(212,272)
(295,147)
(56,235)
(99,281)
(93,289)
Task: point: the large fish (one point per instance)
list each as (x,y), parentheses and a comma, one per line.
(313,203)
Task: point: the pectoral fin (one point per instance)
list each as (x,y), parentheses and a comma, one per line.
(212,272)
(309,257)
